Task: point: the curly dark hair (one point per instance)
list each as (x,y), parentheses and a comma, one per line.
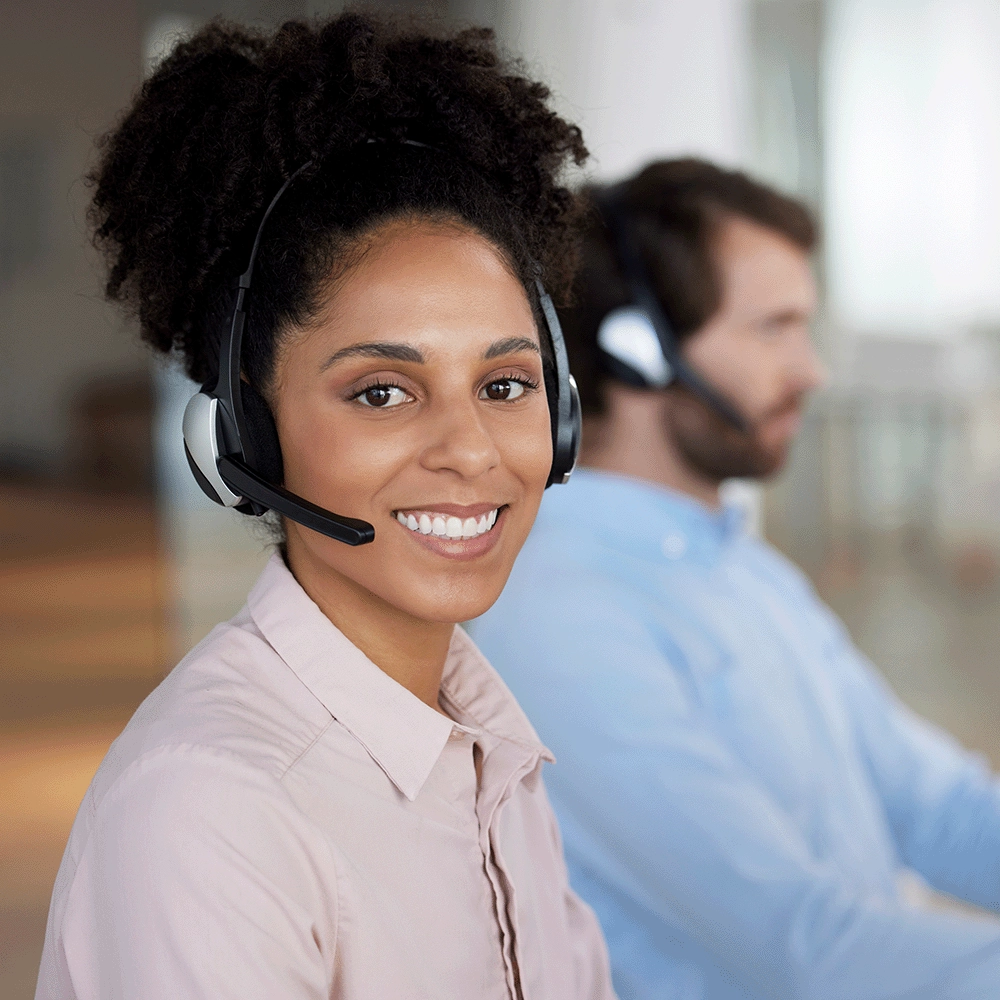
(675,208)
(397,123)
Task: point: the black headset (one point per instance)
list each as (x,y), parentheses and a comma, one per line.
(637,343)
(231,441)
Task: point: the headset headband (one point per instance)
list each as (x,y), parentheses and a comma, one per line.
(229,388)
(640,287)
(236,464)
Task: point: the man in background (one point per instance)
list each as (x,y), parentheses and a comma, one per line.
(739,792)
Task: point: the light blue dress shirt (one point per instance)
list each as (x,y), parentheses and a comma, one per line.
(738,790)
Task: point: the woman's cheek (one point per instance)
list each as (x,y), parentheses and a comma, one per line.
(528,452)
(340,461)
(362,456)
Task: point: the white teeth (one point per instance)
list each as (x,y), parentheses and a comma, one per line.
(444,526)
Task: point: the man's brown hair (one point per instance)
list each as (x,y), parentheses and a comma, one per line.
(674,210)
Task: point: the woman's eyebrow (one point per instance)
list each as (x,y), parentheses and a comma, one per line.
(510,346)
(387,350)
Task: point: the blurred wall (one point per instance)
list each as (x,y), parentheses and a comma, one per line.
(643,79)
(66,71)
(911,206)
(913,156)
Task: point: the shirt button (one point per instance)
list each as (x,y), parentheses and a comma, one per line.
(456,736)
(674,546)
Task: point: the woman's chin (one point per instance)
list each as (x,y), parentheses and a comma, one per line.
(454,612)
(450,602)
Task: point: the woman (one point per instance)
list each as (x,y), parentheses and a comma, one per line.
(334,795)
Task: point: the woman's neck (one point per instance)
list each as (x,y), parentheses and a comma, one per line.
(410,650)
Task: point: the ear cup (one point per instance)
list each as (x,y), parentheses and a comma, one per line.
(566,430)
(201,446)
(563,397)
(262,450)
(631,351)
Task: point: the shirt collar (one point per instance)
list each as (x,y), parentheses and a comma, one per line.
(403,735)
(641,518)
(474,689)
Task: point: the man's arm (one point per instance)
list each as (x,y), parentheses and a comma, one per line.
(942,802)
(678,824)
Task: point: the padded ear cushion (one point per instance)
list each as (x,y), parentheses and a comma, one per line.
(265,452)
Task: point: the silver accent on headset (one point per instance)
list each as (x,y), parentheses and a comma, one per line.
(628,335)
(574,389)
(200,426)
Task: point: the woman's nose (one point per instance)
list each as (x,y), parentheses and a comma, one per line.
(461,443)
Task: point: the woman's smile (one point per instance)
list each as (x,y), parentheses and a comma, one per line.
(455,531)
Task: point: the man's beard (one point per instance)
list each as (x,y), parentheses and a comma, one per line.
(717,449)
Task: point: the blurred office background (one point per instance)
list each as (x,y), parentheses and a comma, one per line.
(883,114)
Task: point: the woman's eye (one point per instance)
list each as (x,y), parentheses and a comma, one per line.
(382,396)
(503,389)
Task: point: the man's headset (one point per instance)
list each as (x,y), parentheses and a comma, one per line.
(637,342)
(231,440)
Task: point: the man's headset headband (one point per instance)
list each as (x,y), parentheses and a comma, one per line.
(220,447)
(637,342)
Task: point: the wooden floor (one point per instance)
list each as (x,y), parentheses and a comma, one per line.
(84,636)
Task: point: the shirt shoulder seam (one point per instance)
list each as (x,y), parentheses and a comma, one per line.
(319,735)
(165,749)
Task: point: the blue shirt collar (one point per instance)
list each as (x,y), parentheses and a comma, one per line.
(640,517)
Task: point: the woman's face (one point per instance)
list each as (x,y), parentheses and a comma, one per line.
(416,402)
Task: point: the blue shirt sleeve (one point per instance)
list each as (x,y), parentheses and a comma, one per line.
(942,802)
(662,810)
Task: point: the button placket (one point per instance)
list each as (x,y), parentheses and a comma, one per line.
(499,877)
(500,908)
(489,809)
(500,903)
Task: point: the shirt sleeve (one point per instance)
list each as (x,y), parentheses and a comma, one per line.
(663,811)
(942,802)
(199,880)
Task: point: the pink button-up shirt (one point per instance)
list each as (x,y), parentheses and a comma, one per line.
(282,820)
